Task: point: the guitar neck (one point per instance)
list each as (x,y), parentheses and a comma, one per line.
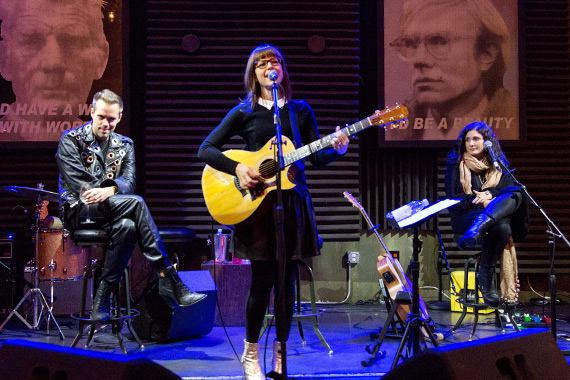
(370,225)
(324,142)
(387,255)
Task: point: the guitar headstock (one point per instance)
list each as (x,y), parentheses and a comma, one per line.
(352,200)
(389,115)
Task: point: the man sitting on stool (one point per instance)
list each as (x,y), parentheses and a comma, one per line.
(95,155)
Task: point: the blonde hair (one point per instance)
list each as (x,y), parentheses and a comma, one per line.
(108,97)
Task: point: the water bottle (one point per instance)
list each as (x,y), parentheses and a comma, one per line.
(407,210)
(220,246)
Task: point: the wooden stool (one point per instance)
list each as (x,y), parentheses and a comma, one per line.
(88,238)
(232,284)
(300,313)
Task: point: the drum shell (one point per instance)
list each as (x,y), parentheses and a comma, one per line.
(68,264)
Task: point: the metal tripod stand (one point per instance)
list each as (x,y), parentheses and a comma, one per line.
(415,324)
(35,293)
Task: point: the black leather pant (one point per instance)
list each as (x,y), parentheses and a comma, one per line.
(497,237)
(127,221)
(494,242)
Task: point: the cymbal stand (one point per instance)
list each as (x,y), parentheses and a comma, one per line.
(35,293)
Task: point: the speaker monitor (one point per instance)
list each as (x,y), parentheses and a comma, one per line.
(159,322)
(531,354)
(25,360)
(6,247)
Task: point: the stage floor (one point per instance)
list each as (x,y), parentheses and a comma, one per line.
(348,329)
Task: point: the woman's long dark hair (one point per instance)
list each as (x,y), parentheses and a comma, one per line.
(252,87)
(488,135)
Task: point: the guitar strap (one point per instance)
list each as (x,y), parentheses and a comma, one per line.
(294,127)
(298,141)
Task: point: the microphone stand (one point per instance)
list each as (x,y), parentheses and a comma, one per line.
(552,233)
(279,217)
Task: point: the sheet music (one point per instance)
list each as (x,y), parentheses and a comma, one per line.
(426,212)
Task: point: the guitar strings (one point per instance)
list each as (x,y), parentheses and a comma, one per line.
(267,168)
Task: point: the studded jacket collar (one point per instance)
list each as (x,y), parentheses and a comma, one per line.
(80,159)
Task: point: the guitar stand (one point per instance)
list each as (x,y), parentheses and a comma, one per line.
(416,323)
(402,298)
(397,330)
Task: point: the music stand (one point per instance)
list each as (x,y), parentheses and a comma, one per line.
(35,293)
(415,322)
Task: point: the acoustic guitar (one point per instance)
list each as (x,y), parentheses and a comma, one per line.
(231,205)
(390,269)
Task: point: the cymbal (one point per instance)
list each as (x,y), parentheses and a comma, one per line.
(31,193)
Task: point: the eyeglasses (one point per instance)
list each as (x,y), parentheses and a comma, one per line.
(438,45)
(263,63)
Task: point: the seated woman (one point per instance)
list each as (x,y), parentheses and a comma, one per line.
(490,210)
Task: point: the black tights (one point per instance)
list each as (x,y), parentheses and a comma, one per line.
(264,277)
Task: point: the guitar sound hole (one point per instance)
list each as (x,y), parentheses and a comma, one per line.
(268,168)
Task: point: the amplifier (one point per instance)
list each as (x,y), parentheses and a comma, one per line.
(6,245)
(459,281)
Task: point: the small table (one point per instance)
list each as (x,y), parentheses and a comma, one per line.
(232,282)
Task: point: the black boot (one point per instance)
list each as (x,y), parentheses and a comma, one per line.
(171,288)
(485,284)
(102,302)
(473,235)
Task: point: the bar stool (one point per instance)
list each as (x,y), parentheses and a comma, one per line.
(90,238)
(300,313)
(475,303)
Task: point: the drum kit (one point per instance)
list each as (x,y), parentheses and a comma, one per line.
(55,259)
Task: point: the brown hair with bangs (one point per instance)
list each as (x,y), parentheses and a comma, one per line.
(252,87)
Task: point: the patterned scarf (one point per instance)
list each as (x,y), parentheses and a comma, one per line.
(469,163)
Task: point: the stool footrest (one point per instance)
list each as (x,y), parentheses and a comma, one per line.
(124,316)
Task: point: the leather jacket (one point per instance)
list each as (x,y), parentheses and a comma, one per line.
(80,159)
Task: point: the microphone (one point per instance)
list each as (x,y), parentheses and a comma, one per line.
(489,146)
(273,75)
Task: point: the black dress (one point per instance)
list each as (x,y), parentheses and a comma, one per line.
(257,240)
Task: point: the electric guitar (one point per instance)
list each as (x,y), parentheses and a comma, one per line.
(390,269)
(231,205)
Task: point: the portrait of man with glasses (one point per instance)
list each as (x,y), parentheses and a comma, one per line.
(456,54)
